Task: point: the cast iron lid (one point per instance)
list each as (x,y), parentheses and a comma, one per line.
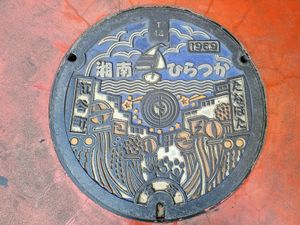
(157,113)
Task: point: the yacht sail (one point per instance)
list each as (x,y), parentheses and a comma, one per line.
(151,61)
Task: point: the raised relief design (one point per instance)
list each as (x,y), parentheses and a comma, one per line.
(159,115)
(152,123)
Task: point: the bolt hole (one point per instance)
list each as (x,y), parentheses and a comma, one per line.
(244,59)
(160,211)
(72,57)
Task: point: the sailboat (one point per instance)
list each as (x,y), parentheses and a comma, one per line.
(151,61)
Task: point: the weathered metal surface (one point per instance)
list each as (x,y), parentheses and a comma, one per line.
(34,187)
(152,114)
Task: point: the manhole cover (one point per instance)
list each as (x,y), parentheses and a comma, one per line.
(157,114)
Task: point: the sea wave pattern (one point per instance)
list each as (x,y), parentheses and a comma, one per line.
(195,33)
(112,37)
(175,49)
(179,34)
(129,43)
(127,54)
(141,87)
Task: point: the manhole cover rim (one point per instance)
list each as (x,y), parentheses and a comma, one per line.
(100,195)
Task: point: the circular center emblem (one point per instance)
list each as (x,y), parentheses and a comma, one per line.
(159,108)
(157,114)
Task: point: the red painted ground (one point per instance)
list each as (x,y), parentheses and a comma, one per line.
(34,35)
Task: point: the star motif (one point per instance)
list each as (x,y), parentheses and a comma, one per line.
(184,101)
(127,105)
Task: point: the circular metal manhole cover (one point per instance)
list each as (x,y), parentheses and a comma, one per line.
(157,114)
